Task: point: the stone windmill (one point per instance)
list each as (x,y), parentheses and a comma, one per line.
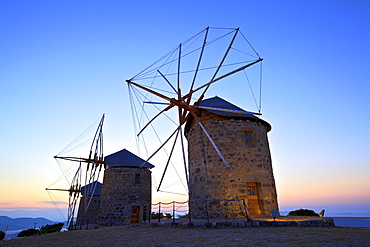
(242,139)
(126,192)
(86,173)
(228,164)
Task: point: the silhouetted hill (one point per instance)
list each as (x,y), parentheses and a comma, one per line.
(22,223)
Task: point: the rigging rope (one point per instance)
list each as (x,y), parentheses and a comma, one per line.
(132,113)
(151,72)
(250,45)
(56,206)
(171,53)
(260,106)
(78,138)
(167,54)
(254,98)
(139,99)
(144,98)
(191,71)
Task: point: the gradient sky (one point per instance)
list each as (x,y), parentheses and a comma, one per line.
(64,63)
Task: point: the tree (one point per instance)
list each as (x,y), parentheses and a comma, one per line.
(162,215)
(28,232)
(43,230)
(51,228)
(303,212)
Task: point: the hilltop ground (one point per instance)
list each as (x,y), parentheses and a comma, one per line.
(142,235)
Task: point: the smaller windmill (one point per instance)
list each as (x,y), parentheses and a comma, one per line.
(86,172)
(176,86)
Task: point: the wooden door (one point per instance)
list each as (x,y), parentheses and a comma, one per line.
(135,214)
(254,206)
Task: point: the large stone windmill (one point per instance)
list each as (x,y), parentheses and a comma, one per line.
(228,164)
(242,139)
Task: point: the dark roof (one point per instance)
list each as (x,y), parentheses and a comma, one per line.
(236,112)
(125,158)
(217,102)
(92,189)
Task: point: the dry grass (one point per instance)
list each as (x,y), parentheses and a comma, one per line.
(139,235)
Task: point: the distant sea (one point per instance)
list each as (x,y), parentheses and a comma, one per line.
(13,226)
(360,222)
(11,234)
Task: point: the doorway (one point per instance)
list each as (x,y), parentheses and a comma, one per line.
(135,214)
(254,206)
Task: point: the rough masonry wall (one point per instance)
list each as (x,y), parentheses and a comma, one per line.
(209,178)
(120,193)
(91,215)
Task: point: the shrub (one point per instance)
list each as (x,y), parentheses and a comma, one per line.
(28,232)
(2,235)
(303,212)
(185,216)
(163,215)
(51,228)
(43,230)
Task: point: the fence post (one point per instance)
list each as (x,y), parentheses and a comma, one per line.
(246,209)
(225,207)
(189,211)
(150,212)
(144,212)
(159,212)
(207,210)
(173,212)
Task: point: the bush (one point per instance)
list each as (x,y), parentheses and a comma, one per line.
(303,212)
(2,235)
(51,228)
(28,232)
(185,216)
(43,230)
(163,216)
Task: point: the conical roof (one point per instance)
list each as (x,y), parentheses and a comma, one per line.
(92,189)
(125,158)
(217,102)
(229,110)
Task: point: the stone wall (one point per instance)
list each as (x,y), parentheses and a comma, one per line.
(209,178)
(121,192)
(91,215)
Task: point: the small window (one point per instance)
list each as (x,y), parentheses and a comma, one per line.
(251,190)
(248,137)
(137,178)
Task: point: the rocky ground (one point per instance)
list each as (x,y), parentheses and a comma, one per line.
(144,235)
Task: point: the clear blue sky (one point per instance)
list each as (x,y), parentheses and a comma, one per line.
(64,63)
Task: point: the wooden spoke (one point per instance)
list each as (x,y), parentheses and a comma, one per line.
(184,158)
(164,143)
(222,61)
(169,159)
(211,140)
(159,113)
(169,83)
(222,77)
(199,61)
(179,71)
(149,90)
(194,62)
(93,166)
